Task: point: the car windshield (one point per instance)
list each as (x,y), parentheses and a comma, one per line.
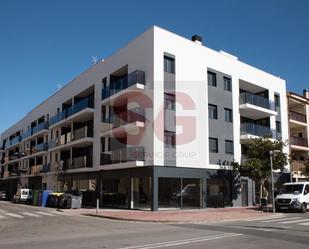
(292,189)
(24,192)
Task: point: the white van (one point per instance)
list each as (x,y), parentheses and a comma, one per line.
(293,196)
(23,195)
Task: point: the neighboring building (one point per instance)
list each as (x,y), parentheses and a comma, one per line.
(156,125)
(298,107)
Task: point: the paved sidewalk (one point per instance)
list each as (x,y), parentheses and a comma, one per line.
(180,216)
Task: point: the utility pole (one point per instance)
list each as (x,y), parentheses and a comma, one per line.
(271,153)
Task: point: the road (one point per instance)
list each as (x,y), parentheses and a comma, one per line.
(27,227)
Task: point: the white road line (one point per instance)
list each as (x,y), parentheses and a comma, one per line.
(181,242)
(293,221)
(47,214)
(2,217)
(265,218)
(15,215)
(58,213)
(30,214)
(282,219)
(304,224)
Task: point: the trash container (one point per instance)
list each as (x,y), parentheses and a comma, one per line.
(45,194)
(35,197)
(65,201)
(263,202)
(76,202)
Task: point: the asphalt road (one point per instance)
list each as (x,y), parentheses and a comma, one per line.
(27,227)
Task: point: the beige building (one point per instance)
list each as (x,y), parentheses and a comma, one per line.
(298,109)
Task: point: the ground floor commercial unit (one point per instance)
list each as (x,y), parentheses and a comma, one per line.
(148,188)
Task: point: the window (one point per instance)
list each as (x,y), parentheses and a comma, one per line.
(212,79)
(169,138)
(212,112)
(229,147)
(169,64)
(227,84)
(278,126)
(169,101)
(228,115)
(306,189)
(277,100)
(213,145)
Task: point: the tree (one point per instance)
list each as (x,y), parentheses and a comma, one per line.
(257,165)
(305,170)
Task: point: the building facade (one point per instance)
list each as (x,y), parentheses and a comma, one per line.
(298,111)
(156,125)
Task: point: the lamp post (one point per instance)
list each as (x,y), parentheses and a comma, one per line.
(271,153)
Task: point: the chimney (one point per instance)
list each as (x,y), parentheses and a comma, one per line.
(306,93)
(198,39)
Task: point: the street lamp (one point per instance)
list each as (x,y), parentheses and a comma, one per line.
(271,153)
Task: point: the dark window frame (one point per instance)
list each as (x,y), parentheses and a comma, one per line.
(170,139)
(212,82)
(227,151)
(227,83)
(226,119)
(169,64)
(215,116)
(169,101)
(211,150)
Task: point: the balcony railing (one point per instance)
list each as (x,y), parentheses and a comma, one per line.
(81,162)
(249,98)
(297,165)
(40,147)
(26,134)
(299,141)
(82,133)
(45,168)
(128,154)
(117,120)
(12,142)
(298,116)
(256,130)
(39,127)
(77,107)
(137,76)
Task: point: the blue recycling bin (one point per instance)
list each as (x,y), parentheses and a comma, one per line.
(45,194)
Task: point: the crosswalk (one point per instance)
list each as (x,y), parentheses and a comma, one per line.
(33,214)
(285,220)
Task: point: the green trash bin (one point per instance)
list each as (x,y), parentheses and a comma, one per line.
(35,197)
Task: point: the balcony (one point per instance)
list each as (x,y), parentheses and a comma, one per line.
(251,130)
(297,142)
(69,113)
(82,136)
(45,168)
(255,107)
(26,134)
(81,162)
(297,119)
(128,120)
(40,147)
(12,142)
(40,127)
(136,78)
(125,155)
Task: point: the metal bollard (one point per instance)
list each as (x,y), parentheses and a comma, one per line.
(97,210)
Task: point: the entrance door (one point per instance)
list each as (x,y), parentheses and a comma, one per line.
(244,192)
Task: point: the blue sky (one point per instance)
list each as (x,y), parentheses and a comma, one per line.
(45,44)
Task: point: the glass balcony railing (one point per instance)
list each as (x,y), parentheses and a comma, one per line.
(82,133)
(12,142)
(77,107)
(137,76)
(123,118)
(26,134)
(299,141)
(58,117)
(39,127)
(256,130)
(40,147)
(45,168)
(81,162)
(249,98)
(128,154)
(298,116)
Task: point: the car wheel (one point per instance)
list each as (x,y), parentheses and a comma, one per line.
(303,208)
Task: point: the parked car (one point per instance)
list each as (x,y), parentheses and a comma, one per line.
(3,195)
(24,195)
(293,196)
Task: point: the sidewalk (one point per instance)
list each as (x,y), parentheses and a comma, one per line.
(179,216)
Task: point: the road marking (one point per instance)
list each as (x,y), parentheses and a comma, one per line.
(304,224)
(30,214)
(265,218)
(293,221)
(181,242)
(47,214)
(282,219)
(15,215)
(2,217)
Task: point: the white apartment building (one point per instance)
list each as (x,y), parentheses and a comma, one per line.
(155,125)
